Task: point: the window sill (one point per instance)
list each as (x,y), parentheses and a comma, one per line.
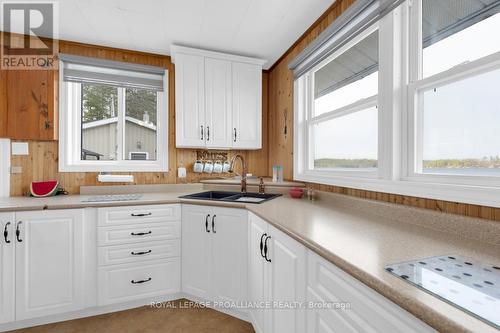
(470,194)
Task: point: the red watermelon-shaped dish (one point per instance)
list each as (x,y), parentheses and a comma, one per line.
(44,189)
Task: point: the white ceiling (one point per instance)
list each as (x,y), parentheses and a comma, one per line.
(261,28)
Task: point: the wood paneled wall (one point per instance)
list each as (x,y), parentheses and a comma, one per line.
(42,162)
(281,118)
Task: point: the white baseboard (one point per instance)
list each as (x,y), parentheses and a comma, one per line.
(88,312)
(240,314)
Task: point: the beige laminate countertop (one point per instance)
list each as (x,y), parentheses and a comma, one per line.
(359,236)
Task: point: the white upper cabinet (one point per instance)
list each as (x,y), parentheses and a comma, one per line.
(218,100)
(247,106)
(190,98)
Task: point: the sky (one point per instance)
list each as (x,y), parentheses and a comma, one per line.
(461,120)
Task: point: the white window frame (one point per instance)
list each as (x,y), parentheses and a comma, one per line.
(399,65)
(416,87)
(70,134)
(304,164)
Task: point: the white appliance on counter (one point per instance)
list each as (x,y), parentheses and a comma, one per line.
(4,167)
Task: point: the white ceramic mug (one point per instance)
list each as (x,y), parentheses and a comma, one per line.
(209,167)
(198,166)
(218,167)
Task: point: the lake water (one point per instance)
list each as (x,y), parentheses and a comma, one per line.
(468,171)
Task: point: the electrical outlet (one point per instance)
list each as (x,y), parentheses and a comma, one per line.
(16,169)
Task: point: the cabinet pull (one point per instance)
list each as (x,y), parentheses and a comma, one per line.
(6,233)
(206,223)
(140,253)
(265,249)
(208,133)
(202,133)
(141,214)
(213,224)
(140,281)
(18,232)
(235,135)
(262,244)
(141,233)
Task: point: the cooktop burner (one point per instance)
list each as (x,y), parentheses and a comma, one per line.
(463,282)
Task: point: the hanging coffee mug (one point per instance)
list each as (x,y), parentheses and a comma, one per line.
(209,167)
(198,166)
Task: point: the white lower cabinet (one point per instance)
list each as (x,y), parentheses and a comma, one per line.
(214,253)
(128,282)
(138,253)
(49,262)
(364,309)
(7,268)
(277,269)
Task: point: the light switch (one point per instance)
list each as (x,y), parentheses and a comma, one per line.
(20,148)
(181,172)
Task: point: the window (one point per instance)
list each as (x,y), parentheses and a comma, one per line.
(343,126)
(113,116)
(403,97)
(454,90)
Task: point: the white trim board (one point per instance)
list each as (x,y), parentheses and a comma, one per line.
(4,167)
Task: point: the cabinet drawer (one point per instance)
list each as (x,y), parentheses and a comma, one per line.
(138,214)
(139,252)
(138,233)
(121,283)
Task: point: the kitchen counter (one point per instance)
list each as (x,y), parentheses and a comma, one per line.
(359,236)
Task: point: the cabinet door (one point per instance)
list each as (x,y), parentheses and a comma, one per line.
(7,268)
(218,103)
(196,257)
(190,101)
(247,106)
(257,283)
(49,263)
(229,255)
(31,105)
(287,282)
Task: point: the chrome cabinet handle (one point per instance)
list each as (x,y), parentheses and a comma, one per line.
(208,133)
(18,232)
(265,249)
(141,233)
(6,233)
(202,133)
(206,223)
(235,135)
(213,224)
(140,281)
(141,214)
(262,244)
(140,253)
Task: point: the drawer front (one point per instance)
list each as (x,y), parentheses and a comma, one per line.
(138,233)
(139,252)
(138,214)
(367,311)
(121,283)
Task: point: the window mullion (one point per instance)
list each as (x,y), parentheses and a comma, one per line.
(120,128)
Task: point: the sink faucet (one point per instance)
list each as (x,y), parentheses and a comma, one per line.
(243,172)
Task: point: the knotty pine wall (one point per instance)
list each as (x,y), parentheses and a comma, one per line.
(281,118)
(42,161)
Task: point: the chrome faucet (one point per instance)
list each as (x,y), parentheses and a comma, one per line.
(243,172)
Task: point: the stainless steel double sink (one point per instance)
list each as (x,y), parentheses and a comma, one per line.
(227,196)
